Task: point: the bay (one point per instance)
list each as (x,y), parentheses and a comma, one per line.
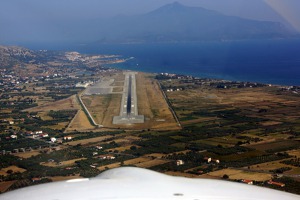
(275,61)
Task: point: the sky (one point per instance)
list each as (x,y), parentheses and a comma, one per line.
(36,17)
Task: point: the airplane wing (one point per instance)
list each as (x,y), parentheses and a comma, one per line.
(135,183)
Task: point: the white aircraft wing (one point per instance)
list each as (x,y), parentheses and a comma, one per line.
(128,183)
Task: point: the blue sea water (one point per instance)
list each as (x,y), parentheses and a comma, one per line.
(275,61)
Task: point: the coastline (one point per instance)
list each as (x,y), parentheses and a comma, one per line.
(217,77)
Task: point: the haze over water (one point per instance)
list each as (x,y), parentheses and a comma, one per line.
(265,61)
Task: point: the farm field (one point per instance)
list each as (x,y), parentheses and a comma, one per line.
(103,107)
(240,174)
(111,166)
(27,154)
(64,104)
(63,163)
(276,145)
(4,186)
(90,140)
(80,123)
(268,166)
(152,104)
(13,169)
(151,163)
(295,153)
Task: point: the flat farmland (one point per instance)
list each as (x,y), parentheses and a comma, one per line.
(151,163)
(4,186)
(136,161)
(14,169)
(63,163)
(294,172)
(224,141)
(235,156)
(269,166)
(276,145)
(120,149)
(143,162)
(27,154)
(110,166)
(90,140)
(80,123)
(103,107)
(64,104)
(152,104)
(240,174)
(249,101)
(295,152)
(187,121)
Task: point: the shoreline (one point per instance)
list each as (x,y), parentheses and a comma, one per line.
(193,76)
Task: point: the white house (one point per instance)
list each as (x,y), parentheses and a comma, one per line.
(67,137)
(179,162)
(44,135)
(14,137)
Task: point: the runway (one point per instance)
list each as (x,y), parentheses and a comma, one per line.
(129,96)
(129,110)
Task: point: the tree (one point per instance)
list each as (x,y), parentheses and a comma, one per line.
(133,148)
(225,176)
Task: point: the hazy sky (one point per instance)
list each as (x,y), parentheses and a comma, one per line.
(36,15)
(100,8)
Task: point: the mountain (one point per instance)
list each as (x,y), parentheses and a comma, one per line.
(16,55)
(176,22)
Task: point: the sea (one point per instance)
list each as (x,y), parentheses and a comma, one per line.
(272,61)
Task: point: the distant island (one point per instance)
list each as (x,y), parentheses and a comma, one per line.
(176,23)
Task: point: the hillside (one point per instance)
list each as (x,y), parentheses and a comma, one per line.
(10,55)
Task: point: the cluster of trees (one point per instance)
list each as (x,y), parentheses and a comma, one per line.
(155,144)
(11,144)
(219,150)
(254,160)
(22,105)
(7,160)
(62,114)
(280,170)
(294,162)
